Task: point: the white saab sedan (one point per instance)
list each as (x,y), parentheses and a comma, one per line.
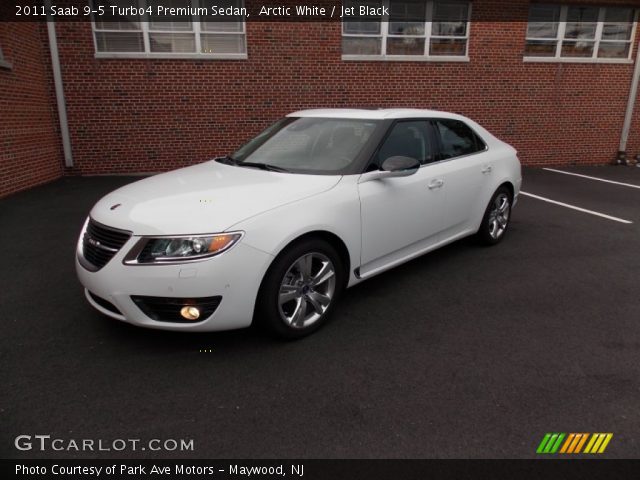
(318,202)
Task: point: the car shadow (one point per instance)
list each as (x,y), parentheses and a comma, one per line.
(255,339)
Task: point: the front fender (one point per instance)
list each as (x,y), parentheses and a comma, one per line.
(336,211)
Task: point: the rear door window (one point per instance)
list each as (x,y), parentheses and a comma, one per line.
(457,139)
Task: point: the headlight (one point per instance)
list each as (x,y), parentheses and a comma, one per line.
(180,249)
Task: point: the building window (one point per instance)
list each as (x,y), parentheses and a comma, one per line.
(412,30)
(570,33)
(3,61)
(183,37)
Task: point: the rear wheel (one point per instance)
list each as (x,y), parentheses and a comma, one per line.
(496,217)
(300,289)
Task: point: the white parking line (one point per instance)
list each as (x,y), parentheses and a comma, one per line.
(573,207)
(631,185)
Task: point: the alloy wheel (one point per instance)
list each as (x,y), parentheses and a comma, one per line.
(306,290)
(499,216)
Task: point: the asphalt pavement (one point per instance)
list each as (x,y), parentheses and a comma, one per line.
(467,352)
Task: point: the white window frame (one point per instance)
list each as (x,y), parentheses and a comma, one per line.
(3,61)
(562,27)
(196,30)
(426,57)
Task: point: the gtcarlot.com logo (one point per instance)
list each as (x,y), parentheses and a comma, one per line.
(45,443)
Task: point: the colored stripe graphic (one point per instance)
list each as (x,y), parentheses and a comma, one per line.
(577,438)
(598,442)
(591,442)
(553,443)
(543,443)
(556,445)
(550,443)
(605,443)
(567,443)
(581,443)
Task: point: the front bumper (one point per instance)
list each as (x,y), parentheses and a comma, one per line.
(235,275)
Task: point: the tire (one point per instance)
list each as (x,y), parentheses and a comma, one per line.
(495,221)
(299,291)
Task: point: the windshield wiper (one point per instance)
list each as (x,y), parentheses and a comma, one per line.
(262,166)
(227,160)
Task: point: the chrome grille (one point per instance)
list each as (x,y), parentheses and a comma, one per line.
(100,243)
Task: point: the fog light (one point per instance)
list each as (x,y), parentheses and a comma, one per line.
(190,313)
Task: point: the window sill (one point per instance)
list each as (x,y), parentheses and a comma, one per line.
(4,65)
(171,56)
(624,61)
(403,58)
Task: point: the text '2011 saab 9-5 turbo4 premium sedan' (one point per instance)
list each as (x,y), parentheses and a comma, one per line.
(319,201)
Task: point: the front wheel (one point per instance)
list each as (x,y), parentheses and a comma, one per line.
(496,217)
(300,289)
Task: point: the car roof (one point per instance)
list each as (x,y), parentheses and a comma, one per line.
(374,114)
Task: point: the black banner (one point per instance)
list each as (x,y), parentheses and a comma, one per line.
(321,469)
(256,10)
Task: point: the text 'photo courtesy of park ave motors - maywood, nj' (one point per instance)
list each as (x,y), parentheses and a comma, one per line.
(70,471)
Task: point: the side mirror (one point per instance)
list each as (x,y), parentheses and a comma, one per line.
(400,166)
(392,167)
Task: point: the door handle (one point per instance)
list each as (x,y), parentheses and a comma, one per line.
(487,169)
(436,184)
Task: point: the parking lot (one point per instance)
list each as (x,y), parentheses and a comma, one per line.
(467,352)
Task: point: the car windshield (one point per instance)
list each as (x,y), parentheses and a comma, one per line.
(307,145)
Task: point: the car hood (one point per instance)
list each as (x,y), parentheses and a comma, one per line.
(205,198)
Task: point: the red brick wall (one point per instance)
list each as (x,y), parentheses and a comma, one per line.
(152,115)
(30,145)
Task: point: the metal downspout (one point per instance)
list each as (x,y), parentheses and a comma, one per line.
(622,151)
(57,80)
